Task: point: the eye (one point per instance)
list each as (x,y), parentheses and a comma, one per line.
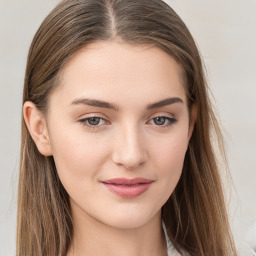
(93,122)
(163,121)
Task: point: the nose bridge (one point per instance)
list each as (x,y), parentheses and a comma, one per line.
(129,149)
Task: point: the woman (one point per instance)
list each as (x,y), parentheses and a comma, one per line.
(116,152)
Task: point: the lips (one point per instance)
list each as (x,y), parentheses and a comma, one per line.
(127,188)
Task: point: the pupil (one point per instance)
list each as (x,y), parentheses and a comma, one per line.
(94,120)
(159,120)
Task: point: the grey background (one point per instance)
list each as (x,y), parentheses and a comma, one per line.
(225,33)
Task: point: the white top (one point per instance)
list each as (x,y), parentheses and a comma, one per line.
(170,249)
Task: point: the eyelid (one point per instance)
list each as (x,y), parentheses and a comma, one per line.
(92,114)
(162,114)
(166,114)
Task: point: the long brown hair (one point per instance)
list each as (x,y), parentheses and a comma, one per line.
(195,214)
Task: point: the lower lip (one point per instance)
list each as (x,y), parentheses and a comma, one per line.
(128,191)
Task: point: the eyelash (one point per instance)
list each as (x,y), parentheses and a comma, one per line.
(84,122)
(170,120)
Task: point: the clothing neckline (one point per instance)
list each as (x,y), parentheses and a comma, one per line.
(171,251)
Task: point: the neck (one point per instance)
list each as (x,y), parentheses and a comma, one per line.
(93,238)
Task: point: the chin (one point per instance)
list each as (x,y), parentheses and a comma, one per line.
(128,220)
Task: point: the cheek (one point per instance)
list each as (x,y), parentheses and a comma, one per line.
(169,159)
(172,154)
(77,158)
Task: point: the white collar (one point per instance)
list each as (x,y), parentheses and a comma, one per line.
(170,249)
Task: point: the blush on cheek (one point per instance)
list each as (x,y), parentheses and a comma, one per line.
(78,158)
(174,149)
(170,159)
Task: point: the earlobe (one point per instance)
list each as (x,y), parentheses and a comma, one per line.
(36,125)
(193,118)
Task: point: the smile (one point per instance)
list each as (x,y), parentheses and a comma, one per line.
(128,188)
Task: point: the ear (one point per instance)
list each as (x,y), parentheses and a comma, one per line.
(37,127)
(192,120)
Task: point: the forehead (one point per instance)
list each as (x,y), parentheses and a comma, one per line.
(119,72)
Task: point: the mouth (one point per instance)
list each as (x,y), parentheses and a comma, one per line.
(127,188)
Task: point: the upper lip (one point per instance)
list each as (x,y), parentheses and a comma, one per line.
(125,181)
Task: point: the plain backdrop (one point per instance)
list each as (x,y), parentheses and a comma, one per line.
(225,31)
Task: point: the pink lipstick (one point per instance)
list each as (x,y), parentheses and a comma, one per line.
(127,188)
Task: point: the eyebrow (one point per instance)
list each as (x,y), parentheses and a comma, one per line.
(95,103)
(164,102)
(104,104)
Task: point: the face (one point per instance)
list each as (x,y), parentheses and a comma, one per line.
(120,112)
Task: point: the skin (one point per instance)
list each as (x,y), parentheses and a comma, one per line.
(125,143)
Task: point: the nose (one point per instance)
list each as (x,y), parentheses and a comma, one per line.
(129,150)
